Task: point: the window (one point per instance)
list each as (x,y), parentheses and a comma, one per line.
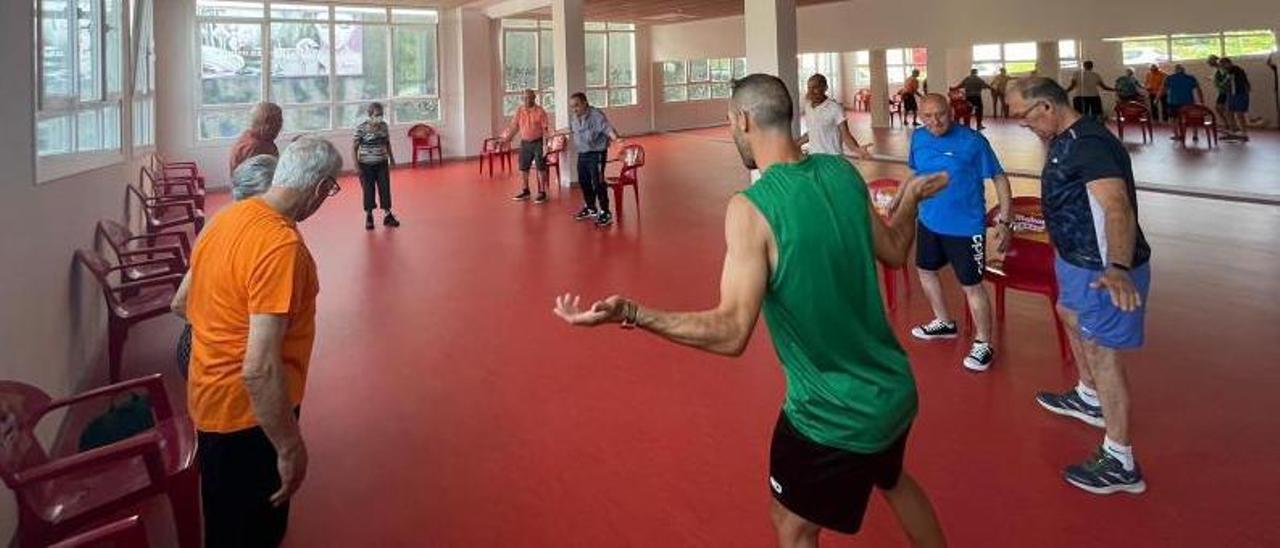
(1068,54)
(862,69)
(322,64)
(701,79)
(528,62)
(80,75)
(826,64)
(611,64)
(1146,50)
(144,68)
(1015,57)
(901,62)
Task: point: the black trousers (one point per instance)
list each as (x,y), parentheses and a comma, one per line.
(976,101)
(1089,106)
(591,177)
(238,475)
(1159,108)
(376,176)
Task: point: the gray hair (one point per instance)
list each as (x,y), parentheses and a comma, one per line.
(1041,88)
(253,177)
(306,163)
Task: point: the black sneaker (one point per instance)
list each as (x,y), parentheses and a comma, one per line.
(584,213)
(604,219)
(368,221)
(1103,474)
(980,357)
(936,329)
(541,199)
(522,196)
(391,221)
(1070,404)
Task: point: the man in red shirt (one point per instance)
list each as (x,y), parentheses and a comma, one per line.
(265,122)
(530,121)
(911,90)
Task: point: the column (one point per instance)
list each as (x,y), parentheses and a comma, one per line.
(936,69)
(771,44)
(1047,61)
(879,89)
(571,72)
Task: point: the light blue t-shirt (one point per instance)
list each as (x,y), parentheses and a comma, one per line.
(966,156)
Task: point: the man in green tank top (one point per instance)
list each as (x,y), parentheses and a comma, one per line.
(803,244)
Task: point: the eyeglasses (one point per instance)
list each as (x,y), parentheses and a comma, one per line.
(332,189)
(1024,113)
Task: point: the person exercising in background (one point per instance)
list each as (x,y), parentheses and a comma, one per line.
(531,123)
(803,243)
(973,86)
(826,129)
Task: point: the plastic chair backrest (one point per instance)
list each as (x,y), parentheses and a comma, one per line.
(632,156)
(1131,110)
(1197,115)
(421,132)
(20,405)
(125,532)
(101,270)
(961,108)
(557,143)
(1027,213)
(116,234)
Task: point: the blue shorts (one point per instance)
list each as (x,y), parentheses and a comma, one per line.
(1100,321)
(1238,103)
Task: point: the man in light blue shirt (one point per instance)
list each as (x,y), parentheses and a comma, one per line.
(592,134)
(953,222)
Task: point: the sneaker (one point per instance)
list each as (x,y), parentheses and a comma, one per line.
(391,221)
(584,213)
(605,219)
(541,199)
(522,196)
(980,357)
(936,329)
(368,221)
(1103,474)
(1069,404)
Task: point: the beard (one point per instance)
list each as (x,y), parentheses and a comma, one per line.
(744,151)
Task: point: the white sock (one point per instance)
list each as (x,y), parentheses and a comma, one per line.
(1089,395)
(1123,453)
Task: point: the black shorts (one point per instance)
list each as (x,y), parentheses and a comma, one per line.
(827,486)
(531,154)
(965,254)
(909,102)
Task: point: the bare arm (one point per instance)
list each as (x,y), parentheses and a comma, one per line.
(1004,195)
(893,240)
(725,329)
(179,303)
(1122,234)
(264,376)
(860,152)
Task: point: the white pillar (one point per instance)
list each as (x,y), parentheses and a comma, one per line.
(1047,61)
(936,69)
(879,89)
(571,72)
(771,44)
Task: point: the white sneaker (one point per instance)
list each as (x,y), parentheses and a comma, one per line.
(980,357)
(936,329)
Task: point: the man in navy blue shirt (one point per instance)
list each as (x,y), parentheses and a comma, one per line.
(1181,89)
(953,222)
(1091,211)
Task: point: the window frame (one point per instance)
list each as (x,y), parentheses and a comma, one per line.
(1220,37)
(393,20)
(607,30)
(717,89)
(1003,61)
(538,27)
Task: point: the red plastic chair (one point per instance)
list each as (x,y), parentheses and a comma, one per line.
(60,495)
(962,112)
(552,150)
(127,532)
(1136,113)
(862,100)
(632,157)
(1194,117)
(425,138)
(131,301)
(495,148)
(1027,265)
(130,249)
(175,188)
(160,213)
(882,193)
(895,109)
(176,170)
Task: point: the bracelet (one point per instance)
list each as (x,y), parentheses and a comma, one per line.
(629,312)
(1119,266)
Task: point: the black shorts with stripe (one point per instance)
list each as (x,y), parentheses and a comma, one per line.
(965,254)
(827,486)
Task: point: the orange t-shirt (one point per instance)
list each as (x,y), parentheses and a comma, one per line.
(532,122)
(249,260)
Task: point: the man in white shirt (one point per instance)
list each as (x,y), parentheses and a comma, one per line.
(1088,100)
(826,130)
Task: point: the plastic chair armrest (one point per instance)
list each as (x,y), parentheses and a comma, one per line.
(170,262)
(146,444)
(183,241)
(172,280)
(154,385)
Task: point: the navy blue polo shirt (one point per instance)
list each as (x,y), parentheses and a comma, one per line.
(1083,153)
(966,156)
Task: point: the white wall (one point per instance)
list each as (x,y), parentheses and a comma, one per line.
(868,24)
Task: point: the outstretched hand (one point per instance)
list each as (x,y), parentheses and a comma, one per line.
(863,152)
(919,188)
(609,310)
(1124,295)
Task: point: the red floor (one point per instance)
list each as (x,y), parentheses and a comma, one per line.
(1240,170)
(447,406)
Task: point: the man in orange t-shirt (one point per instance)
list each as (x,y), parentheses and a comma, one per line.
(530,121)
(252,305)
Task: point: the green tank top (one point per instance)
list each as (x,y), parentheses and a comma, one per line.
(849,385)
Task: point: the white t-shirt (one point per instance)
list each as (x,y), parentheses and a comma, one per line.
(823,125)
(1089,82)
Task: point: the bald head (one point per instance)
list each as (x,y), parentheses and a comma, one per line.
(937,100)
(766,100)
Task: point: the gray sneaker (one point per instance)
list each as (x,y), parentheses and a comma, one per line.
(1069,404)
